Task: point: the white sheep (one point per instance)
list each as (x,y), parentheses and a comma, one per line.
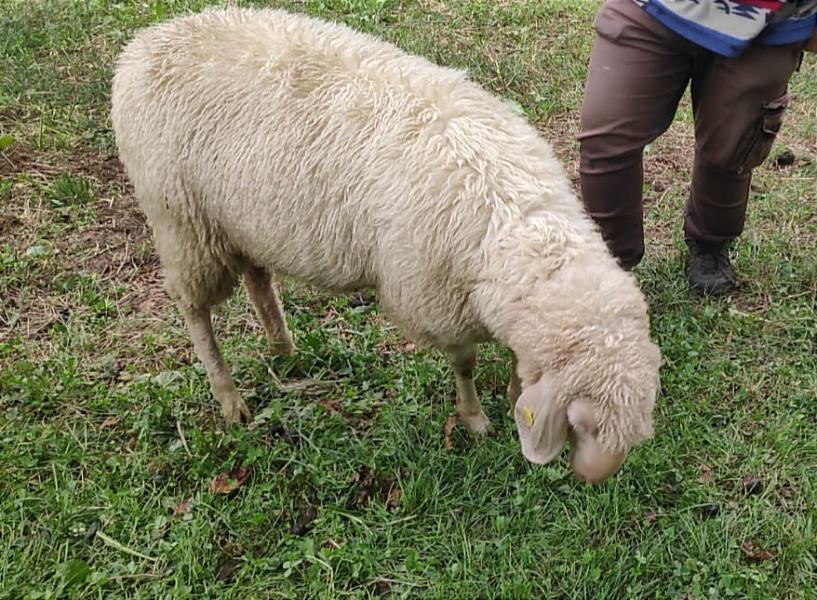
(261,142)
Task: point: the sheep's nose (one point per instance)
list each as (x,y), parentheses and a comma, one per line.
(595,467)
(593,478)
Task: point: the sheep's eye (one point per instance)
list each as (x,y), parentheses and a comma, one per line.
(582,419)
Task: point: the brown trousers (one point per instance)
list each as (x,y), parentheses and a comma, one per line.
(638,72)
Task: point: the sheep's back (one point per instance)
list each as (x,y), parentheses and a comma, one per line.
(283,129)
(328,155)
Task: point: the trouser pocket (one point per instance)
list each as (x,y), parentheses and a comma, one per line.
(757,143)
(609,24)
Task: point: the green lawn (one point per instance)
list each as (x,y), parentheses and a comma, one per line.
(109,437)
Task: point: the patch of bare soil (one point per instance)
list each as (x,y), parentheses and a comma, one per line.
(13,160)
(115,249)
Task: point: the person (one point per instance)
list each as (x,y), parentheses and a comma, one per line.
(739,56)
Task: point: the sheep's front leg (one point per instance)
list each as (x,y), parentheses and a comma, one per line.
(514,387)
(268,308)
(463,360)
(221,381)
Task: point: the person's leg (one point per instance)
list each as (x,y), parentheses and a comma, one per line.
(638,72)
(739,105)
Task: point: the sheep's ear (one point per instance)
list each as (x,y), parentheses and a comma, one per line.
(541,422)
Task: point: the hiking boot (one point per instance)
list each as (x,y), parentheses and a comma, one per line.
(709,271)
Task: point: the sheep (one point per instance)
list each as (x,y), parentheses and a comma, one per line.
(262,143)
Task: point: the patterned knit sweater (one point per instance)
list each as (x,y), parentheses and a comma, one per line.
(727,27)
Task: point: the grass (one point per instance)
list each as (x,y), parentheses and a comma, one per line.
(110,438)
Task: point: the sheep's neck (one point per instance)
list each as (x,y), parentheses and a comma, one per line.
(536,317)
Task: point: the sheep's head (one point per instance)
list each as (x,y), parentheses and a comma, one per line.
(603,414)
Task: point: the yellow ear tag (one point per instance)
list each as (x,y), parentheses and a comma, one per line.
(529,416)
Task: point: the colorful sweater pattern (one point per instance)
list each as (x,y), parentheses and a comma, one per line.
(727,27)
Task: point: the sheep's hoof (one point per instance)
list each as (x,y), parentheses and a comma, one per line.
(286,348)
(478,425)
(234,410)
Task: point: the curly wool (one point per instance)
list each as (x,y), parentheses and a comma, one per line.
(261,137)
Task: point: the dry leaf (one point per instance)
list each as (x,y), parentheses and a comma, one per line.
(225,483)
(450,424)
(382,587)
(332,406)
(753,553)
(182,508)
(393,499)
(111,421)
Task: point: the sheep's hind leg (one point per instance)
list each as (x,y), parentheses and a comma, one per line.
(221,381)
(268,308)
(463,360)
